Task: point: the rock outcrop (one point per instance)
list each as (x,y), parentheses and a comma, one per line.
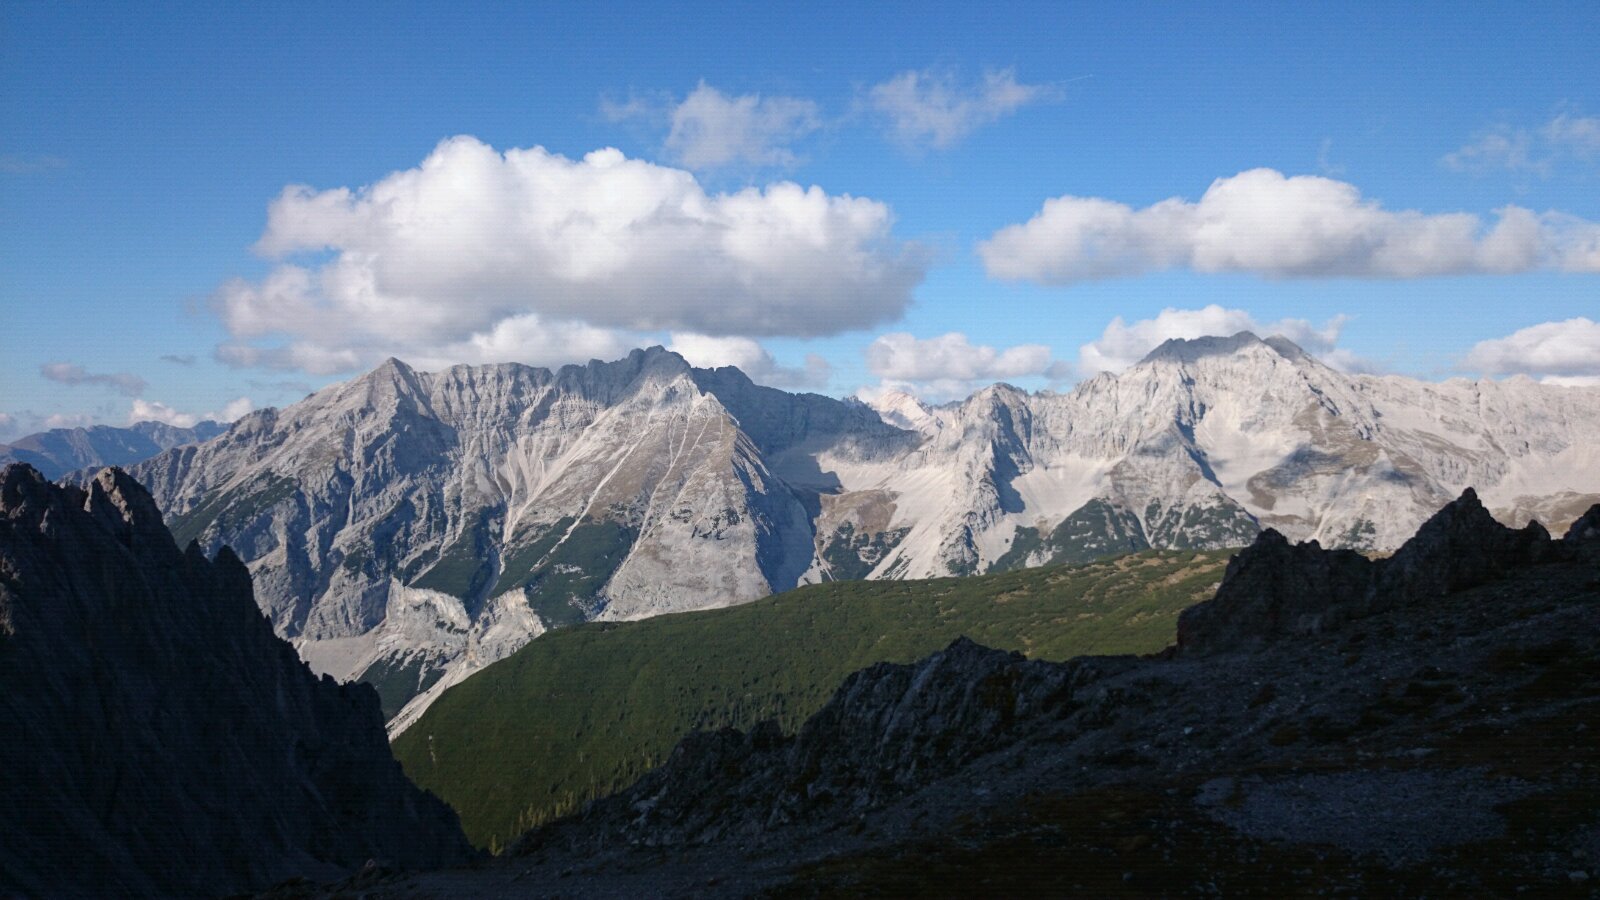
(1273,589)
(887,730)
(159,739)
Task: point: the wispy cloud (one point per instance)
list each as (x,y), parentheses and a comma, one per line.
(934,108)
(178,359)
(1266,223)
(1566,138)
(710,129)
(125,383)
(1504,148)
(25,164)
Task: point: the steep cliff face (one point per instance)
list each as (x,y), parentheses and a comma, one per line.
(160,739)
(474,508)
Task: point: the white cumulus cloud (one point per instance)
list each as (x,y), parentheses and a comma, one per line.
(1122,343)
(706,352)
(1266,223)
(441,257)
(932,107)
(1566,352)
(905,357)
(710,129)
(949,365)
(153,411)
(234,410)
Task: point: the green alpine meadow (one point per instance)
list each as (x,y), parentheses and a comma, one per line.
(584,711)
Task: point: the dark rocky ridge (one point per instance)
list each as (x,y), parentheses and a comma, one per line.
(160,739)
(1423,724)
(1274,590)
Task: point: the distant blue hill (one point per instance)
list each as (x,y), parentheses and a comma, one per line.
(61,450)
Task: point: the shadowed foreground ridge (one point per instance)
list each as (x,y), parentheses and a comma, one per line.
(1417,725)
(160,740)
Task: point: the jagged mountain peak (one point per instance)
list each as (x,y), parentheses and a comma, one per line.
(644,485)
(904,410)
(1192,350)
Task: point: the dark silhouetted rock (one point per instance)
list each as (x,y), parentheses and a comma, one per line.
(159,739)
(1272,588)
(1461,546)
(888,730)
(1586,530)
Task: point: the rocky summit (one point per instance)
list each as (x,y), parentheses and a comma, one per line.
(407,528)
(1386,733)
(159,739)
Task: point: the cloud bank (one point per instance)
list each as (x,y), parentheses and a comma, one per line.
(947,366)
(1268,224)
(475,250)
(752,359)
(1566,352)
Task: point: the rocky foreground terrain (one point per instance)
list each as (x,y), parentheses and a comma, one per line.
(158,739)
(1327,725)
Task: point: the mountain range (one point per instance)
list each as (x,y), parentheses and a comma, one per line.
(407,528)
(61,450)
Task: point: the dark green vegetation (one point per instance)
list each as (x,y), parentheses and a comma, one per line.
(1096,531)
(241,505)
(398,680)
(851,556)
(1199,526)
(464,567)
(521,562)
(583,711)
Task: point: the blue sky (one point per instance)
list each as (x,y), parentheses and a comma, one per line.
(143,149)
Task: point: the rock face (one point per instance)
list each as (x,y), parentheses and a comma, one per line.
(160,739)
(888,730)
(1426,734)
(409,527)
(61,450)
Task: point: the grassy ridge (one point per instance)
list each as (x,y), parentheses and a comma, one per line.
(586,710)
